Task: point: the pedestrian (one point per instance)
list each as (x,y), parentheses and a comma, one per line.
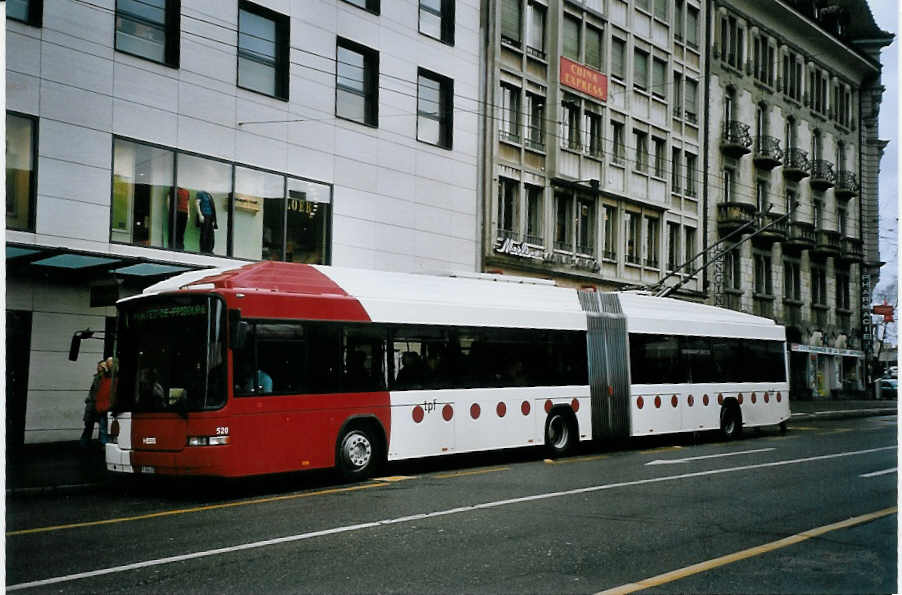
(103,398)
(90,415)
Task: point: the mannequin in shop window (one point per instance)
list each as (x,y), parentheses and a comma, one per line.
(206,219)
(181,217)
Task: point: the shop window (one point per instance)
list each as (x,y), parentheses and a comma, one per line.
(149,29)
(357,83)
(437,19)
(435,110)
(202,205)
(21,158)
(259,234)
(263,41)
(307,222)
(142,191)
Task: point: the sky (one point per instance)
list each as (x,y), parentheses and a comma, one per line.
(886,13)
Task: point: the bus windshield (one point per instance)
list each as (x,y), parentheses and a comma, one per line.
(171,353)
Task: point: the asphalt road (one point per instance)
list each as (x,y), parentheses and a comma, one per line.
(768,513)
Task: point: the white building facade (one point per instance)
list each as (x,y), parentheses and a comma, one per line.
(146,138)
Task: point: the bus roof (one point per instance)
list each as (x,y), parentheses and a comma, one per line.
(408,298)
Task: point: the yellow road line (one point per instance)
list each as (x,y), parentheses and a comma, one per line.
(477,472)
(393,478)
(179,511)
(836,431)
(662,449)
(575,460)
(676,575)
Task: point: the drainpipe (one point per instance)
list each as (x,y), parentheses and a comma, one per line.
(705,142)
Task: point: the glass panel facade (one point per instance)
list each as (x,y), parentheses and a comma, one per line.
(308,221)
(202,205)
(20,172)
(258,234)
(142,188)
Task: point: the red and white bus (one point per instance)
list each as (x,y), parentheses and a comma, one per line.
(274,367)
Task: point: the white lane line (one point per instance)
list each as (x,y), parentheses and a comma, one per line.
(427,515)
(715,456)
(876,473)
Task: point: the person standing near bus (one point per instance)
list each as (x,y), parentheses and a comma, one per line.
(103,398)
(90,415)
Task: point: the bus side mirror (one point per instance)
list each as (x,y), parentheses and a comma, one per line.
(75,344)
(238,329)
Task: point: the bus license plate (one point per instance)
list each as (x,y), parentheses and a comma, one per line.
(148,469)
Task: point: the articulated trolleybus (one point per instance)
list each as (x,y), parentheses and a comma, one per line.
(274,367)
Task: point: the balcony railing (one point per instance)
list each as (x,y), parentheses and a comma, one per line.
(768,153)
(846,184)
(796,164)
(508,136)
(736,140)
(826,243)
(800,236)
(851,250)
(732,215)
(773,226)
(822,174)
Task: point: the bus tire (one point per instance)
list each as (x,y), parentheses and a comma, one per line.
(731,421)
(358,453)
(560,432)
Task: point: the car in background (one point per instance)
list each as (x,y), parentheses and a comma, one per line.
(887,388)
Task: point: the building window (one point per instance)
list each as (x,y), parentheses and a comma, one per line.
(731,34)
(761,198)
(263,41)
(535,43)
(691,104)
(149,29)
(594,140)
(508,207)
(618,58)
(535,133)
(585,226)
(570,33)
(732,271)
(535,215)
(563,221)
(632,225)
(610,233)
(618,152)
(675,164)
(661,9)
(690,175)
(792,76)
(692,26)
(267,192)
(678,19)
(640,69)
(594,47)
(842,291)
(689,245)
(142,187)
(357,83)
(29,12)
(660,157)
(818,214)
(370,5)
(677,95)
(640,141)
(658,78)
(437,19)
(841,221)
(728,184)
(510,22)
(509,124)
(791,205)
(816,145)
(435,109)
(21,181)
(570,135)
(818,286)
(790,133)
(673,246)
(651,242)
(763,277)
(792,281)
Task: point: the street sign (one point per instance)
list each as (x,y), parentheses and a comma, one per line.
(884,310)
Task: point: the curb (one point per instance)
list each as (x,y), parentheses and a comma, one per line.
(844,414)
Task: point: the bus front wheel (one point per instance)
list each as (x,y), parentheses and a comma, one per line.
(731,421)
(560,433)
(357,452)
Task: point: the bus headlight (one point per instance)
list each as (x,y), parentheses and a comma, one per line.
(208,440)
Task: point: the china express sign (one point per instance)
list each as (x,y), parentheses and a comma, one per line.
(583,79)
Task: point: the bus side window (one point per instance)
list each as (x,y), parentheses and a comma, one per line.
(363,358)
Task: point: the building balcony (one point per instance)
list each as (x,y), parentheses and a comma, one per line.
(799,236)
(773,228)
(796,165)
(733,215)
(851,250)
(768,153)
(846,185)
(826,243)
(822,174)
(736,140)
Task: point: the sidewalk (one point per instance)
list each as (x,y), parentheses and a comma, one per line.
(65,466)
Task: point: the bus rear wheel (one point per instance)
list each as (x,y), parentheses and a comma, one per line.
(560,433)
(731,421)
(357,454)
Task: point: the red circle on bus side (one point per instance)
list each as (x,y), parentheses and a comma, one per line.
(501,409)
(705,400)
(767,397)
(640,402)
(548,406)
(524,407)
(574,404)
(690,400)
(475,410)
(754,398)
(447,412)
(779,397)
(657,401)
(720,399)
(418,414)
(740,398)
(674,400)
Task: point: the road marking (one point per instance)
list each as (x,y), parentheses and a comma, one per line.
(876,473)
(477,472)
(415,517)
(179,511)
(676,575)
(836,431)
(803,428)
(662,449)
(575,460)
(715,456)
(394,478)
